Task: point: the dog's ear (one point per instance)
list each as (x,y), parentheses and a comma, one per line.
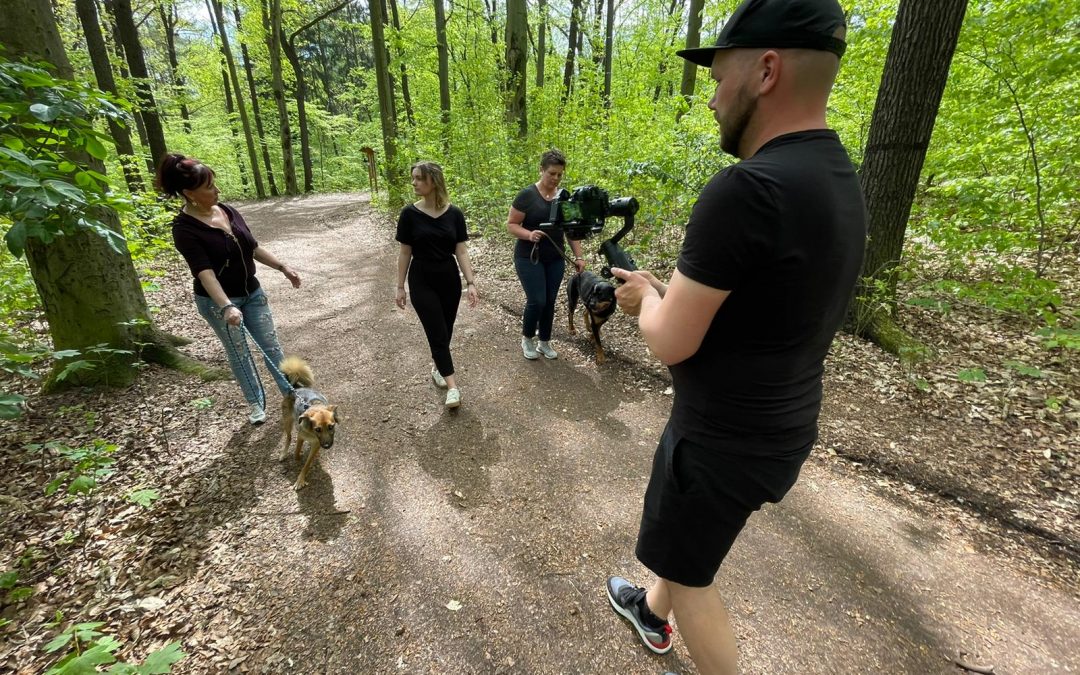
(333,411)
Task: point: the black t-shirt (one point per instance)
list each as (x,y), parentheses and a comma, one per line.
(209,248)
(537,210)
(784,232)
(431,239)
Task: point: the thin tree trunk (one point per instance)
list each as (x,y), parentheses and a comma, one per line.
(541,43)
(662,67)
(245,122)
(923,40)
(404,73)
(571,49)
(168,24)
(609,41)
(386,96)
(255,112)
(129,36)
(444,63)
(273,25)
(517,66)
(693,40)
(230,110)
(99,58)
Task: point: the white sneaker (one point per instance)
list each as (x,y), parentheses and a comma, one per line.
(437,377)
(256,415)
(528,347)
(453,398)
(544,347)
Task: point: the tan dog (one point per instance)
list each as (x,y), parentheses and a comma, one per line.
(309,410)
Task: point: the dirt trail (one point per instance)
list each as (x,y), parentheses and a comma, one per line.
(518,506)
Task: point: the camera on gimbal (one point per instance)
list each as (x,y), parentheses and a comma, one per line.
(581,213)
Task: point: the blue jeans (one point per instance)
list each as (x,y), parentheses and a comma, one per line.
(541,283)
(260,324)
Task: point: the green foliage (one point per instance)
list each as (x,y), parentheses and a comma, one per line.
(144,497)
(89,648)
(87,465)
(13,592)
(972,375)
(1024,369)
(1060,338)
(47,137)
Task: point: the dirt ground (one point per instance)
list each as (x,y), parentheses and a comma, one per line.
(478,540)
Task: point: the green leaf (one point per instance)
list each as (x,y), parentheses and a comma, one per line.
(8,580)
(1024,369)
(972,375)
(19,179)
(82,485)
(58,642)
(19,594)
(144,498)
(74,367)
(161,661)
(45,113)
(52,486)
(11,406)
(16,239)
(86,663)
(95,148)
(68,190)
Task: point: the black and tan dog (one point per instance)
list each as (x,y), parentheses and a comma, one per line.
(310,412)
(598,298)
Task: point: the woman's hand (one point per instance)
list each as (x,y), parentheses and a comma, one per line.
(291,275)
(472,295)
(579,263)
(232,316)
(535,235)
(399,298)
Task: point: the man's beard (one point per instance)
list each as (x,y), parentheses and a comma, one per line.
(734,124)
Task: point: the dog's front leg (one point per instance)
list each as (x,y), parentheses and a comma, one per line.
(301,480)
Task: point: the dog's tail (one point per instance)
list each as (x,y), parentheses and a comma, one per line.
(573,289)
(297,371)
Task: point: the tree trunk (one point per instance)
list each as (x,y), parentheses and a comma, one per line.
(609,43)
(693,41)
(541,43)
(230,109)
(444,63)
(273,25)
(129,36)
(404,73)
(99,58)
(663,65)
(386,95)
(517,64)
(245,122)
(924,38)
(572,41)
(255,112)
(168,24)
(89,292)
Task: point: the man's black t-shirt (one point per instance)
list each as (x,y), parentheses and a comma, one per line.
(537,210)
(784,232)
(431,239)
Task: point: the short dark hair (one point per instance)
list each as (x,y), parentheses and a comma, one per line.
(176,173)
(552,157)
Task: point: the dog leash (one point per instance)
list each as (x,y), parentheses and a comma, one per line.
(534,255)
(251,359)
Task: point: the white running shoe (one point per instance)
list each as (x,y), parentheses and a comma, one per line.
(544,347)
(437,377)
(528,347)
(453,398)
(256,415)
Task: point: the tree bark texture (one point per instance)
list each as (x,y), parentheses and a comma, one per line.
(571,49)
(99,59)
(404,72)
(273,23)
(541,43)
(241,106)
(168,25)
(693,40)
(517,62)
(129,36)
(249,75)
(609,40)
(444,62)
(386,108)
(923,40)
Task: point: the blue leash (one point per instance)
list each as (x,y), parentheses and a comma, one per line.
(251,359)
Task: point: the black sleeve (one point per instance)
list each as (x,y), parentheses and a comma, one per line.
(731,231)
(192,247)
(523,200)
(461,233)
(404,228)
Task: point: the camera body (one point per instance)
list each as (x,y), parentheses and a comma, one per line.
(581,214)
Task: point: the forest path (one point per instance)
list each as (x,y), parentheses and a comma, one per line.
(519,504)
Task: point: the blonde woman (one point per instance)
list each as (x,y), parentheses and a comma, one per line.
(432,235)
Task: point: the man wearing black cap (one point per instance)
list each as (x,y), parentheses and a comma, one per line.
(772,251)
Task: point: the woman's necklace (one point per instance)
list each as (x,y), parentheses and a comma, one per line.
(546,196)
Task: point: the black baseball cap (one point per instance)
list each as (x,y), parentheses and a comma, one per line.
(777,24)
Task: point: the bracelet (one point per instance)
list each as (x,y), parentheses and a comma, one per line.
(281,267)
(470,283)
(578,258)
(226,307)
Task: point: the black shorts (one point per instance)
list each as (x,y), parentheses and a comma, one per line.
(698,500)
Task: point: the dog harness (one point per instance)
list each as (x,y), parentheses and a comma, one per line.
(306,398)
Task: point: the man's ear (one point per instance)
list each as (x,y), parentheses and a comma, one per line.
(770,65)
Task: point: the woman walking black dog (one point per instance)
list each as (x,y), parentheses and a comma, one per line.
(432,235)
(538,259)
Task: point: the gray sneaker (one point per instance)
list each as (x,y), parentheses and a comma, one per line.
(256,415)
(437,378)
(528,348)
(544,347)
(625,599)
(453,398)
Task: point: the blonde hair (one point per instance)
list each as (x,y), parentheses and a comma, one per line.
(433,172)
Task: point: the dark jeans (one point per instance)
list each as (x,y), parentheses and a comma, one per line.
(541,282)
(436,294)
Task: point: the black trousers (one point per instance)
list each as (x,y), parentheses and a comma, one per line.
(436,294)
